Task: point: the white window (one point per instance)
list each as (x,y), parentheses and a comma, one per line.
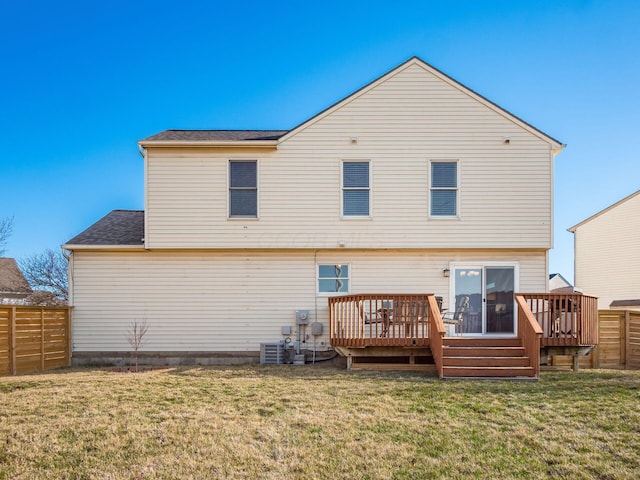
(444,189)
(333,278)
(356,194)
(243,189)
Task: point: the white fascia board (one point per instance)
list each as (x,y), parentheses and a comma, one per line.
(102,247)
(178,143)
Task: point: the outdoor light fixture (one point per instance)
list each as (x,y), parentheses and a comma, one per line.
(445,272)
(342,243)
(506,140)
(354,139)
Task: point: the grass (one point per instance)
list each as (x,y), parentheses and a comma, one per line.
(305,422)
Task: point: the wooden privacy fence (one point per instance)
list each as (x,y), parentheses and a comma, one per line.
(34,338)
(619,345)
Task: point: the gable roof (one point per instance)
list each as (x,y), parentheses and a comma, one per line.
(601,212)
(117,228)
(557,145)
(553,275)
(11,278)
(274,137)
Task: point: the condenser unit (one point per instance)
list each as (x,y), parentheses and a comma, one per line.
(271,353)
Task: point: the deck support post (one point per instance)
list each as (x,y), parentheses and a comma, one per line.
(576,363)
(349,362)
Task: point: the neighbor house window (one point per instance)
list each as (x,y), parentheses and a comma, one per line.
(243,188)
(355,189)
(444,189)
(333,278)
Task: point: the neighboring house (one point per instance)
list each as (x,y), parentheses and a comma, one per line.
(607,254)
(558,283)
(14,288)
(412,184)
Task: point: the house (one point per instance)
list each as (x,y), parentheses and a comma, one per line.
(607,254)
(412,184)
(14,288)
(558,283)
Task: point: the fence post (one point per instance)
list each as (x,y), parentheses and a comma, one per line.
(42,339)
(68,333)
(12,341)
(626,340)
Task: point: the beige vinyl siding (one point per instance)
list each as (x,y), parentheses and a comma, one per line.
(505,190)
(231,301)
(607,254)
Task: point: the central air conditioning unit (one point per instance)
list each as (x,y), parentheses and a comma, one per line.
(272,353)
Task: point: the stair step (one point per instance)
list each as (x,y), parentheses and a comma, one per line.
(481,342)
(452,361)
(474,351)
(494,372)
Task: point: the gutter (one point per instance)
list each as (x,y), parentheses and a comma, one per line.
(72,247)
(191,143)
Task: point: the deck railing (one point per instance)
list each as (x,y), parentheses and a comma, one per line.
(369,320)
(436,327)
(530,333)
(567,320)
(388,320)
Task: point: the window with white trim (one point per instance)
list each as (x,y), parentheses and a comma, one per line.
(333,278)
(356,194)
(444,189)
(243,189)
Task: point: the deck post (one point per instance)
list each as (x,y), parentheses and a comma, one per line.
(576,362)
(349,362)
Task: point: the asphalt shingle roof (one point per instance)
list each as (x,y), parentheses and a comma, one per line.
(11,278)
(119,227)
(216,135)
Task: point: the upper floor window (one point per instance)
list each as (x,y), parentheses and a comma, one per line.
(444,189)
(243,188)
(356,193)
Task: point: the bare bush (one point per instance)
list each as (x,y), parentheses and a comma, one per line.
(44,298)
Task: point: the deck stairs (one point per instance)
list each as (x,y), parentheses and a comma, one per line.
(494,358)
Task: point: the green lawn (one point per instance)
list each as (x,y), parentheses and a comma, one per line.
(316,422)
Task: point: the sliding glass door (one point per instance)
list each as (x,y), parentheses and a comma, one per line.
(484,296)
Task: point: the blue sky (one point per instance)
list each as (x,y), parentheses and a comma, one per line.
(83,81)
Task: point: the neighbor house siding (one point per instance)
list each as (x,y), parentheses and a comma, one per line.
(607,254)
(505,190)
(231,301)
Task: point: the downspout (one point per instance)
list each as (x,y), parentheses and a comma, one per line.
(143,153)
(68,254)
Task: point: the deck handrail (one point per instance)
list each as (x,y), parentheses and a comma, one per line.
(567,319)
(366,320)
(530,333)
(436,327)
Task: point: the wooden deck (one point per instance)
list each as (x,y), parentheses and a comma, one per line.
(378,329)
